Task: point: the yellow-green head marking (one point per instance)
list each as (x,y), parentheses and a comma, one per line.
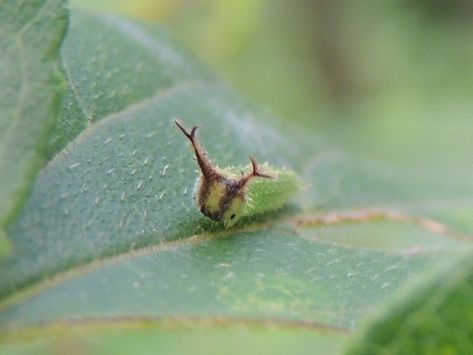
(226,195)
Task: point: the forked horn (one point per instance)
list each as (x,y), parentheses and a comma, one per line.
(254,173)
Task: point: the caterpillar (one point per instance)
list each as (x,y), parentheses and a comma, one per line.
(226,195)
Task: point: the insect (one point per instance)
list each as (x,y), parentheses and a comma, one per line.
(228,194)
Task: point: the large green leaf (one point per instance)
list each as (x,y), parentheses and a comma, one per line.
(30,37)
(110,233)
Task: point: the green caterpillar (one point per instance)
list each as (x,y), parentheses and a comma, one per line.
(228,194)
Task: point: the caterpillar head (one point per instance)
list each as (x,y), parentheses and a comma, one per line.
(219,196)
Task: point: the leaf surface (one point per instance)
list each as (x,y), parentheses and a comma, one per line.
(30,36)
(111,234)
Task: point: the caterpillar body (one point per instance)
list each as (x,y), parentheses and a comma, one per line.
(226,195)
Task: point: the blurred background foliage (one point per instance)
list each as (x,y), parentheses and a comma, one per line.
(388,80)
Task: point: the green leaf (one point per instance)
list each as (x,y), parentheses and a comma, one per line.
(432,316)
(30,36)
(111,64)
(111,234)
(145,191)
(269,273)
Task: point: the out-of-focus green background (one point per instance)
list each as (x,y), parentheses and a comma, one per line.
(389,80)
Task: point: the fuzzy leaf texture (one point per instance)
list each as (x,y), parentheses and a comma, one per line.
(111,255)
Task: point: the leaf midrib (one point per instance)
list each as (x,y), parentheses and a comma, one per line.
(16,112)
(17,109)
